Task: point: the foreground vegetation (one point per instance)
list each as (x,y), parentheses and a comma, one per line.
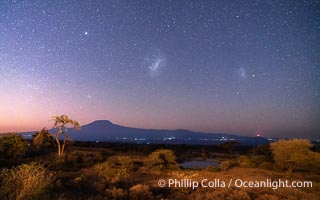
(130,171)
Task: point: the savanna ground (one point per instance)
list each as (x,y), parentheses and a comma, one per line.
(89,170)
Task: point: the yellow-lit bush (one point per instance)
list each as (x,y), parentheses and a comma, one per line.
(294,154)
(115,168)
(27,181)
(162,159)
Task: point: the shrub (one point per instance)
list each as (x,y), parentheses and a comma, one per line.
(27,181)
(115,168)
(294,154)
(228,164)
(259,159)
(139,192)
(12,148)
(229,146)
(245,161)
(116,193)
(79,159)
(89,182)
(42,139)
(162,159)
(262,149)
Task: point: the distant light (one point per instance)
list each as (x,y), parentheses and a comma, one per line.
(86,33)
(258,134)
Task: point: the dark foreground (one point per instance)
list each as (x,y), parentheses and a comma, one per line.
(133,171)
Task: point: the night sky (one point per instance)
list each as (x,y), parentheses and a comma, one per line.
(217,66)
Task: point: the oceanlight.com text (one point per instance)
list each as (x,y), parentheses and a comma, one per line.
(238,183)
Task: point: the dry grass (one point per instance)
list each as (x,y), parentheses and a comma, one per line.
(143,182)
(87,174)
(28,181)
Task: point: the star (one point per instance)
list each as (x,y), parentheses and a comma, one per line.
(203,59)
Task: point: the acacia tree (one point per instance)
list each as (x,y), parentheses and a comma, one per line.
(60,123)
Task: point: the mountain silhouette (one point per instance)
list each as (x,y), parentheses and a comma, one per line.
(104,130)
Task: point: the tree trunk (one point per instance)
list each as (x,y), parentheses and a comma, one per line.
(63,145)
(58,142)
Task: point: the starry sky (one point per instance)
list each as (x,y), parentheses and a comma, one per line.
(238,67)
